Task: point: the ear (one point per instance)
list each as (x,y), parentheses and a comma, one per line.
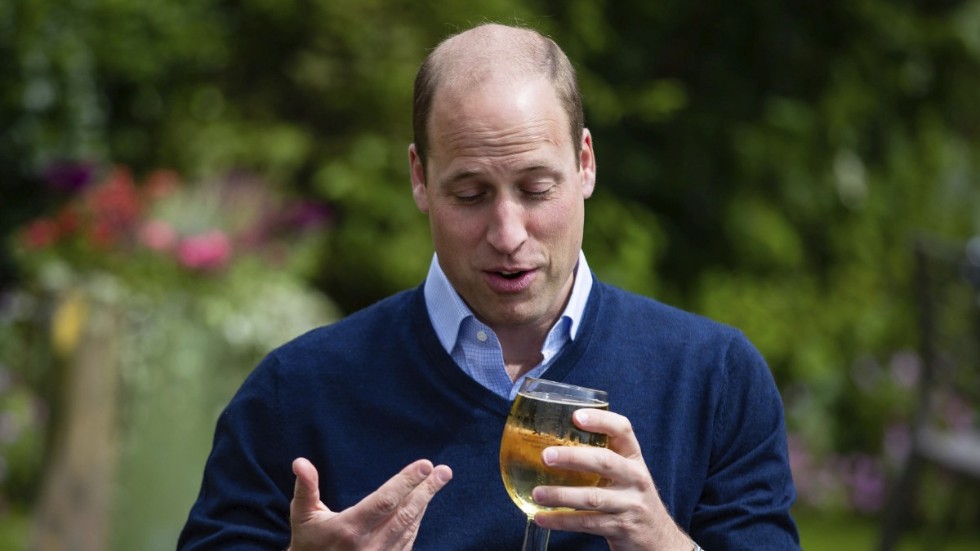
(587,164)
(418,179)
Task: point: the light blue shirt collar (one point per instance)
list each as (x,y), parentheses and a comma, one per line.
(473,345)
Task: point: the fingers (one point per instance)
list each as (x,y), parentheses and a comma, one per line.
(386,519)
(624,474)
(622,479)
(626,507)
(620,464)
(306,494)
(612,467)
(581,499)
(400,527)
(622,440)
(403,498)
(628,520)
(610,510)
(578,521)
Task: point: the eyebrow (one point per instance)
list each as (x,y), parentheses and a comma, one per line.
(462,175)
(470,173)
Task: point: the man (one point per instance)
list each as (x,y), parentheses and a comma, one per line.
(391,419)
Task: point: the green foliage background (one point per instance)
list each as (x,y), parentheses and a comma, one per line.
(764,163)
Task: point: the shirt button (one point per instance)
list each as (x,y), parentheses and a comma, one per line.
(481,336)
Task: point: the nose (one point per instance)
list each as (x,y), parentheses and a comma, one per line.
(507,229)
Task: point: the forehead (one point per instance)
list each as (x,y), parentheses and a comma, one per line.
(497,119)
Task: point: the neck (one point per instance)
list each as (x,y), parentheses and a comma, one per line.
(521,348)
(521,345)
(518,368)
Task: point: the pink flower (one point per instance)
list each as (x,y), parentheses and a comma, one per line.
(208,251)
(158,235)
(115,208)
(40,234)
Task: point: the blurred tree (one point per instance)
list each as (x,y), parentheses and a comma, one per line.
(789,153)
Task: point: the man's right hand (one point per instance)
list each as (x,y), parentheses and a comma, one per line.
(386,519)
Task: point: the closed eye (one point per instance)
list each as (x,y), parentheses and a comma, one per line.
(536,193)
(539,188)
(469,198)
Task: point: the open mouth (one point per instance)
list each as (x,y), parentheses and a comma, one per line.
(509,282)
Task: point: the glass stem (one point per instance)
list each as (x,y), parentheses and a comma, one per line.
(535,537)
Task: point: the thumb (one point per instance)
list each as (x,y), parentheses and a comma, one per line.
(306,494)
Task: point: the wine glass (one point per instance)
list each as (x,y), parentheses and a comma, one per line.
(541,416)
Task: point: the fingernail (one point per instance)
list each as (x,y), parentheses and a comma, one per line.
(549,455)
(445,475)
(425,469)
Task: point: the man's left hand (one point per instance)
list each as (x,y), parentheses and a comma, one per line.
(625,508)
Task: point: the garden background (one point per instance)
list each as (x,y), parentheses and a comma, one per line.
(188,183)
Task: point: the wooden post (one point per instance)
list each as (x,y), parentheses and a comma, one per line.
(75,504)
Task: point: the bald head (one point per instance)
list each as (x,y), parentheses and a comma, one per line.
(467,60)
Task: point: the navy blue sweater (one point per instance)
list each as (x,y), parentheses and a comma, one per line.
(367,395)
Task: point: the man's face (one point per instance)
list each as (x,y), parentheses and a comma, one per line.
(505,198)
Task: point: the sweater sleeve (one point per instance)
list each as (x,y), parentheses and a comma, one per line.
(247,485)
(746,500)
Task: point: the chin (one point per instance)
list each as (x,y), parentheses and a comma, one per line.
(514,318)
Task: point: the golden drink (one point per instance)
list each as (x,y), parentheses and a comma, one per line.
(538,420)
